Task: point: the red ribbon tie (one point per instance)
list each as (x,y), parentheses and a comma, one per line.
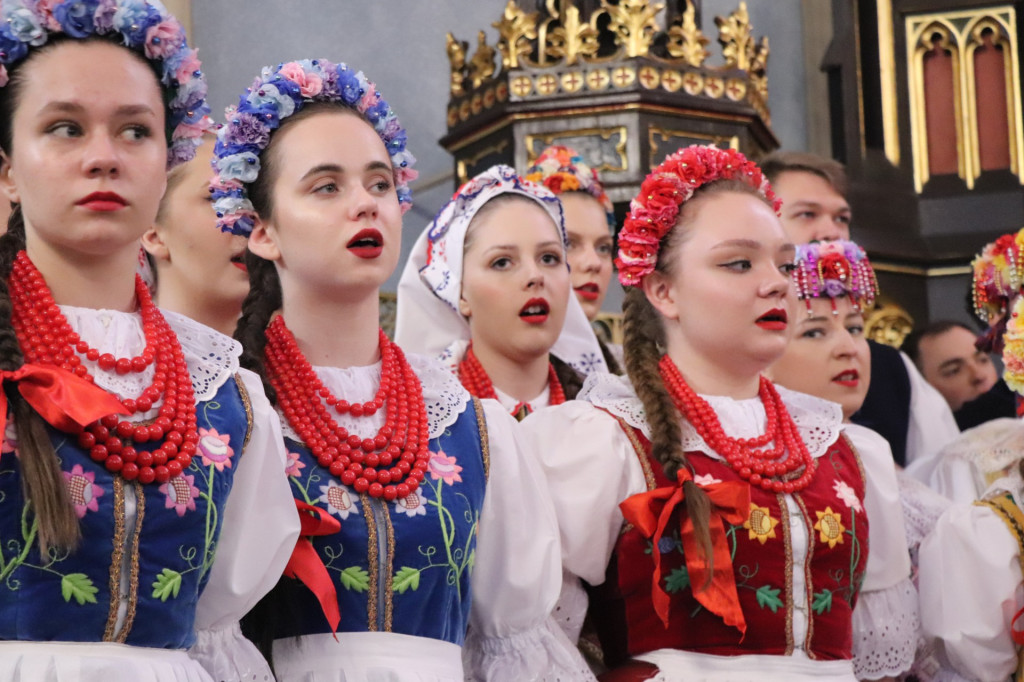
(65,400)
(307,566)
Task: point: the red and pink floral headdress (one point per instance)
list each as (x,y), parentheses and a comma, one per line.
(653,212)
(833,270)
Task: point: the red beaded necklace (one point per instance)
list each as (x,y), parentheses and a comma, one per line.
(46,337)
(474,377)
(751,458)
(389,465)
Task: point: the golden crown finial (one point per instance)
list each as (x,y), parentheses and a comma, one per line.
(634,25)
(573,38)
(456,50)
(685,40)
(734,34)
(516,29)
(481,66)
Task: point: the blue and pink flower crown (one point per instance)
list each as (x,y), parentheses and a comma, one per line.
(143,27)
(562,169)
(832,270)
(277,94)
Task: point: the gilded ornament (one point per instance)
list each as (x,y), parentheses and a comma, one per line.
(671,80)
(516,29)
(522,86)
(572,81)
(685,40)
(546,84)
(734,33)
(464,110)
(598,79)
(488,98)
(481,65)
(693,83)
(456,50)
(573,38)
(476,105)
(714,86)
(453,116)
(632,22)
(649,77)
(623,76)
(501,92)
(735,89)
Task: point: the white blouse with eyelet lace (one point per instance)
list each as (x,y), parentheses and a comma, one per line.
(258,532)
(591,467)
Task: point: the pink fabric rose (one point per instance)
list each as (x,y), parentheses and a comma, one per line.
(164,39)
(309,84)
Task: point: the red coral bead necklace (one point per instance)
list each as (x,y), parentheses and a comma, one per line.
(751,458)
(475,379)
(393,462)
(46,337)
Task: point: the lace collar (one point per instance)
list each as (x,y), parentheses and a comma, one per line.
(212,357)
(444,396)
(819,421)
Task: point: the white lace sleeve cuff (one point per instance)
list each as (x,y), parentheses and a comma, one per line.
(542,653)
(227,655)
(885,631)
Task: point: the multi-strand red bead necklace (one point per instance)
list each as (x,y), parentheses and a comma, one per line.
(474,378)
(46,337)
(752,458)
(389,465)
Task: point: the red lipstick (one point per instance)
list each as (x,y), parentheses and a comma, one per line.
(588,292)
(535,311)
(103,202)
(849,378)
(367,244)
(773,320)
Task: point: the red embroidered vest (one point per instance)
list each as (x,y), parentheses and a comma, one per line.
(831,508)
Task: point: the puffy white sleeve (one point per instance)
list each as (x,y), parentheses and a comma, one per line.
(970,584)
(258,534)
(932,425)
(517,575)
(591,467)
(885,620)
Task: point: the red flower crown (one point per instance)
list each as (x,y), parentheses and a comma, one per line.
(653,212)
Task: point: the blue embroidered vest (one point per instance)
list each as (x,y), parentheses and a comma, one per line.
(401,566)
(167,552)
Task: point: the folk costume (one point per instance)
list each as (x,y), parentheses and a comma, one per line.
(790,531)
(428,318)
(422,518)
(170,453)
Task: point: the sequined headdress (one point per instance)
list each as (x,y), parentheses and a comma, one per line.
(833,270)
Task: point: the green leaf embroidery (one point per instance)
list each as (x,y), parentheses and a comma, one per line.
(406,578)
(768,598)
(677,581)
(822,602)
(79,586)
(355,578)
(167,584)
(471,562)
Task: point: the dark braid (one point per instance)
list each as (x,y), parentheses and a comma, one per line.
(263,299)
(571,380)
(41,476)
(643,345)
(609,359)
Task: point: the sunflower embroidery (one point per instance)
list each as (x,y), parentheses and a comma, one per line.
(760,523)
(830,527)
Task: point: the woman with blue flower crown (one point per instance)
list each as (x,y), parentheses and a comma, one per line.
(422,517)
(143,509)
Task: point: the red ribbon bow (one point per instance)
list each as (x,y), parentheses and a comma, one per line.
(650,512)
(65,400)
(306,565)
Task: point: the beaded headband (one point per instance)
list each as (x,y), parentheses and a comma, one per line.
(145,27)
(282,92)
(562,169)
(653,212)
(833,270)
(1013,348)
(998,276)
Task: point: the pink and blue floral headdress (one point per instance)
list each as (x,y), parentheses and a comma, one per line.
(562,169)
(834,270)
(143,26)
(276,94)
